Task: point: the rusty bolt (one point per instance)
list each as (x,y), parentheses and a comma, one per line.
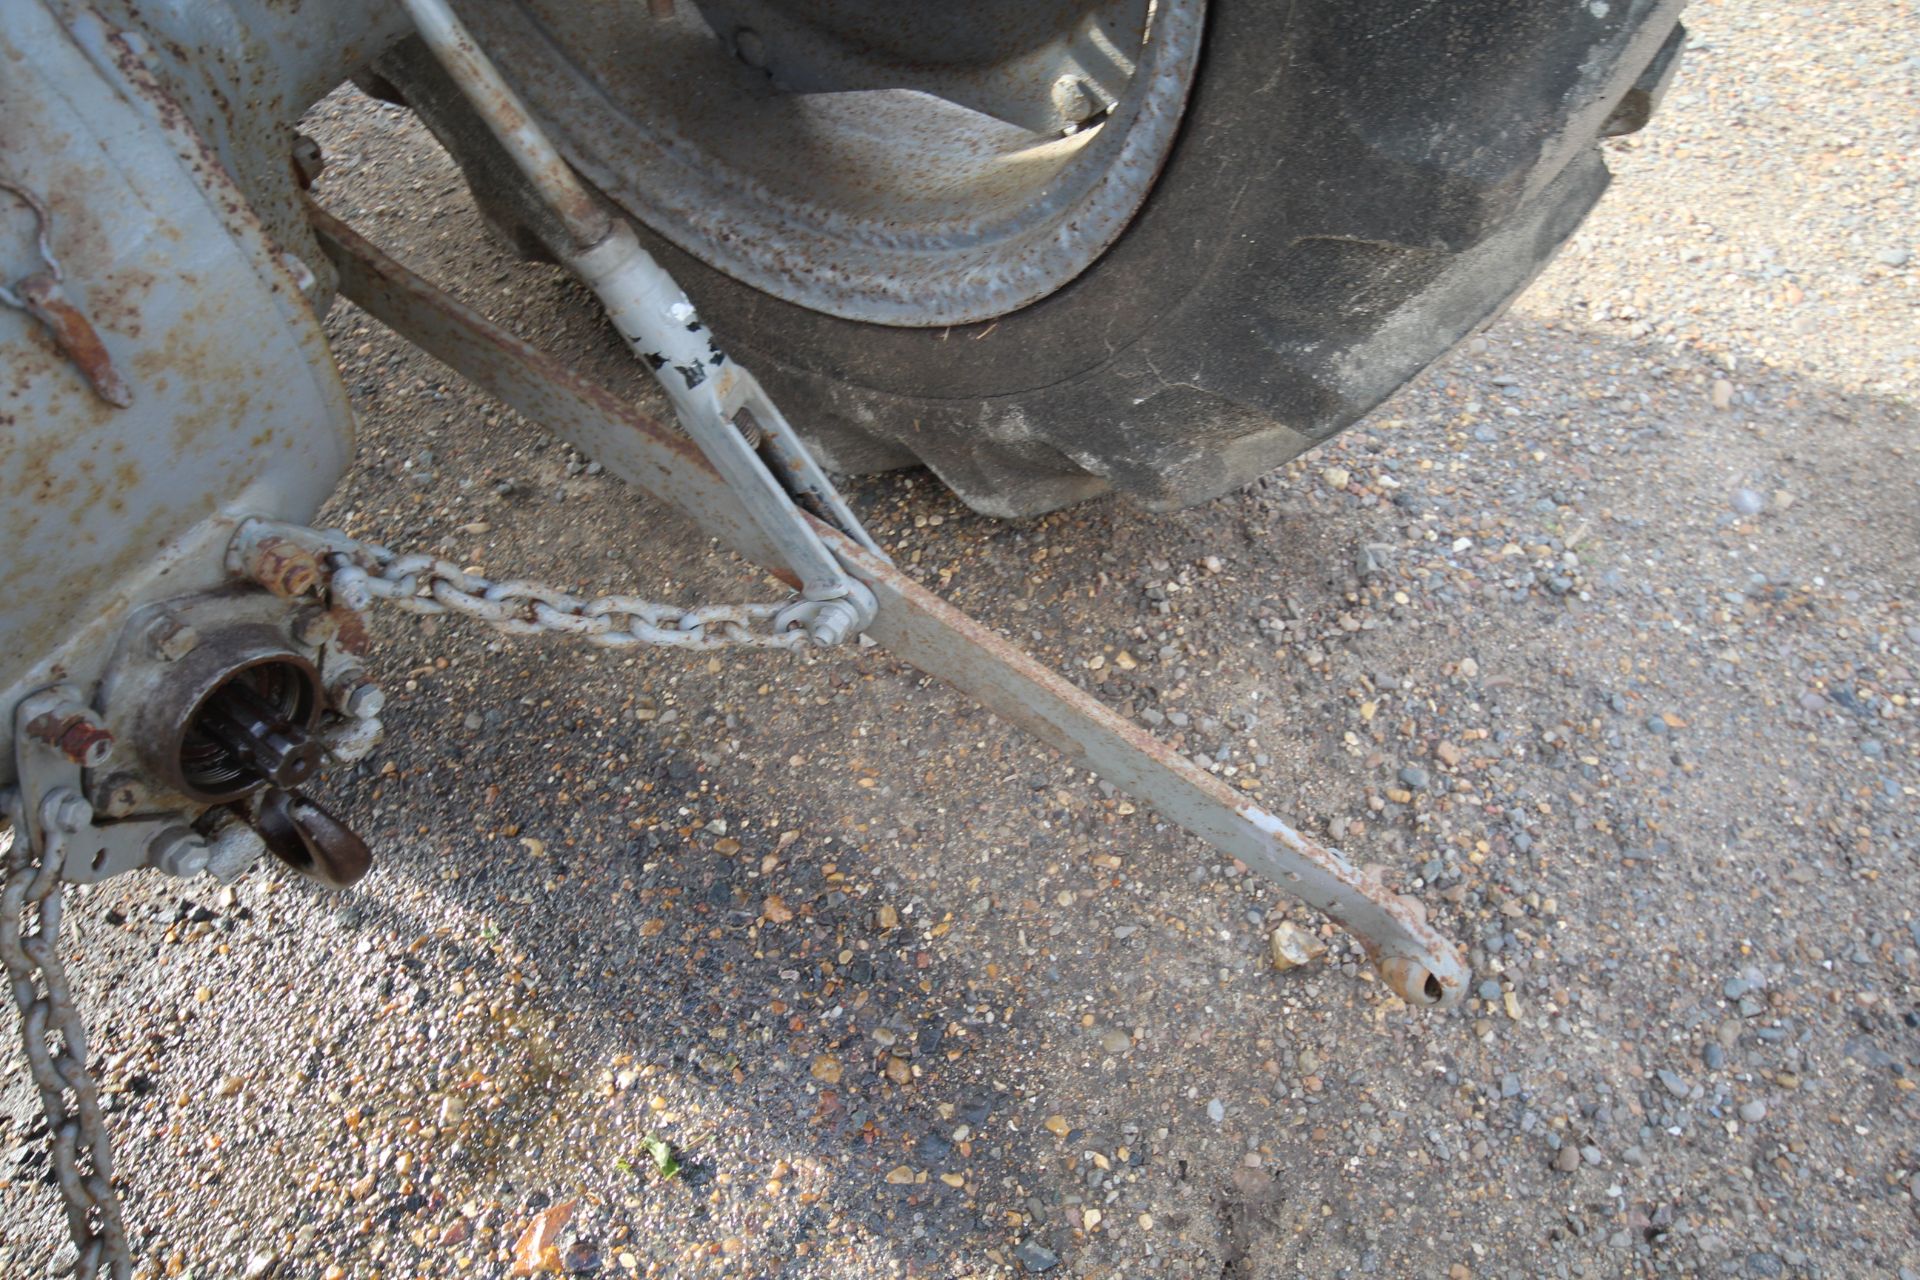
(178,851)
(169,639)
(283,566)
(314,626)
(76,733)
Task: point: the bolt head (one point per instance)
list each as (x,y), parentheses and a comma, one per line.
(178,851)
(363,701)
(314,627)
(68,810)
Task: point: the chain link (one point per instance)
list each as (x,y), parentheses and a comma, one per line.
(363,572)
(54,1035)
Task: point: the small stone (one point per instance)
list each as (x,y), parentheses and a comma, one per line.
(1447,753)
(1593,1155)
(1415,777)
(1216,1111)
(1672,1082)
(826,1069)
(1055,1125)
(1894,257)
(258,1264)
(900,1176)
(1748,502)
(1783,500)
(1035,1256)
(1753,1111)
(1566,1159)
(1116,1041)
(473,720)
(1489,989)
(1291,946)
(1722,394)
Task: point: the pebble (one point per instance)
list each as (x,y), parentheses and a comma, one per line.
(1673,1083)
(1566,1159)
(1216,1111)
(1414,777)
(1336,477)
(1749,502)
(1116,1041)
(1035,1256)
(1753,1111)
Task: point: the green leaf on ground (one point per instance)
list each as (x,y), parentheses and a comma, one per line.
(665,1162)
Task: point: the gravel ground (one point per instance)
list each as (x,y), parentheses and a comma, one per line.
(1601,636)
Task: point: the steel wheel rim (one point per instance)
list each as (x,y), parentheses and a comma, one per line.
(889,206)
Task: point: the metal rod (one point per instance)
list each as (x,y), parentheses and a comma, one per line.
(586,220)
(1414,959)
